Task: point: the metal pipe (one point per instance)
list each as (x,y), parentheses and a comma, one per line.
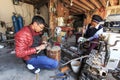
(103,73)
(75,59)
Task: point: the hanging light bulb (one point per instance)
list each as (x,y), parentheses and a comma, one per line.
(15,2)
(71,2)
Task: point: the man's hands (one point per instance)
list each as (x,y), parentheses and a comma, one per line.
(41,47)
(82,39)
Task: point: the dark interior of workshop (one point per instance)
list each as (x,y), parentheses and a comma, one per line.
(59,39)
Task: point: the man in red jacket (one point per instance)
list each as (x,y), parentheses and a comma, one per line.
(28,43)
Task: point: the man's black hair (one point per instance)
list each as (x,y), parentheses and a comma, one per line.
(38,20)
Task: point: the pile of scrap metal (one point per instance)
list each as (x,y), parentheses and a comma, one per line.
(94,67)
(116,73)
(94,63)
(107,58)
(69,53)
(103,60)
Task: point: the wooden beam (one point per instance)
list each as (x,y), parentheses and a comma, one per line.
(75,9)
(103,2)
(74,12)
(28,2)
(76,6)
(113,7)
(96,3)
(34,2)
(87,3)
(80,4)
(68,4)
(72,9)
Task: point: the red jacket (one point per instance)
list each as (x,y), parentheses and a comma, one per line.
(23,43)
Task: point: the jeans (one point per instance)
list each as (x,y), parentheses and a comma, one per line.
(43,62)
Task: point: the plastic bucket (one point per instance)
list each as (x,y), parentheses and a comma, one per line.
(75,65)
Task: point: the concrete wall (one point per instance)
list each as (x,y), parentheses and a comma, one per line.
(44,13)
(7,8)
